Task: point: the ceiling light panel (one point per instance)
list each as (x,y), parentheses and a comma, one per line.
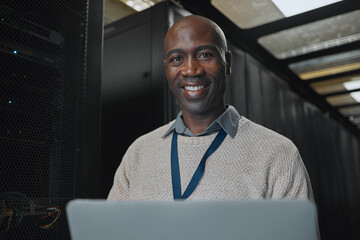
(356,96)
(353,84)
(252,13)
(327,65)
(315,36)
(340,100)
(139,5)
(291,8)
(350,111)
(115,10)
(334,85)
(248,13)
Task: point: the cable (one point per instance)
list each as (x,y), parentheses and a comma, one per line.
(8,212)
(16,203)
(54,210)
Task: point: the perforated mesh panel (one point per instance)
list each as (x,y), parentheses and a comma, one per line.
(42,87)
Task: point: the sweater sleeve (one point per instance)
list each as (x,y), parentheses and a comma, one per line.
(120,188)
(290,179)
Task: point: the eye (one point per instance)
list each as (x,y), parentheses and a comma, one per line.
(175,59)
(205,55)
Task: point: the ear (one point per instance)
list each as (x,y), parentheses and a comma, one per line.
(228,59)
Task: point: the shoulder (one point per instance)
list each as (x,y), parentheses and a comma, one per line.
(152,138)
(278,155)
(261,137)
(146,146)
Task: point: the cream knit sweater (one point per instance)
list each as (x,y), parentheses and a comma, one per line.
(256,164)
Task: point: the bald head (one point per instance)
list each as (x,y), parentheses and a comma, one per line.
(196,64)
(196,25)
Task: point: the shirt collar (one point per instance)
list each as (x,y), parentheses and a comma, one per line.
(228,121)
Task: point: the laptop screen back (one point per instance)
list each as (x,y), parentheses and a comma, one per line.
(210,220)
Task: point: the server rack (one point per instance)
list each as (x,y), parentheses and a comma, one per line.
(43,93)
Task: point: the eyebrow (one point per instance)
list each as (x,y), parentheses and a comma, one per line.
(204,47)
(176,50)
(197,49)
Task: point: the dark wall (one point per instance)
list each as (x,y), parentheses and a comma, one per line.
(236,83)
(330,152)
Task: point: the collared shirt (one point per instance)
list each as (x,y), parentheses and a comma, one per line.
(228,121)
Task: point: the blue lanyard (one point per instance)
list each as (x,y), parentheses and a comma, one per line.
(175,171)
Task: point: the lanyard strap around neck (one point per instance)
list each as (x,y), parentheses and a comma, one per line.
(175,171)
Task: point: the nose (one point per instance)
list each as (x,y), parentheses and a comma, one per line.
(192,68)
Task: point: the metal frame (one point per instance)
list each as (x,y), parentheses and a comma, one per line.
(90,162)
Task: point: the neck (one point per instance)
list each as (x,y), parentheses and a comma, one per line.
(197,123)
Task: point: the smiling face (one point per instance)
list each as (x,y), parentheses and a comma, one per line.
(196,64)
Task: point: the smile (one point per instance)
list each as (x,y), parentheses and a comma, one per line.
(195,91)
(194,88)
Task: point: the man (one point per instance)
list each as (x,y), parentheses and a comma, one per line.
(209,151)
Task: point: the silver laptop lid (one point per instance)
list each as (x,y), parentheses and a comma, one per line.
(210,220)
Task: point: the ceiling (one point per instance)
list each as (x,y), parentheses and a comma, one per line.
(317,52)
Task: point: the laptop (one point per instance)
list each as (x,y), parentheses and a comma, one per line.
(208,220)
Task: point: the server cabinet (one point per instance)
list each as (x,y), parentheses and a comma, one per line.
(44,103)
(135,97)
(329,150)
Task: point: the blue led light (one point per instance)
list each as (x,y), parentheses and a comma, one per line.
(10,102)
(15,52)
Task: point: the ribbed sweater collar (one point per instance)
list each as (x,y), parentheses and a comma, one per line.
(228,121)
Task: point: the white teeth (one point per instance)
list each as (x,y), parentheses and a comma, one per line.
(194,88)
